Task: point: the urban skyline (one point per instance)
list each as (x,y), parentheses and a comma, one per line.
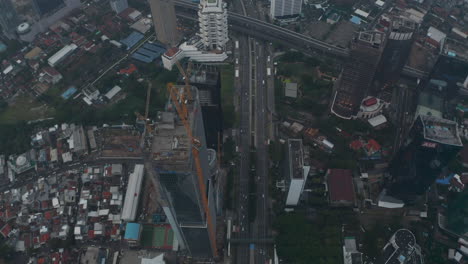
(250,132)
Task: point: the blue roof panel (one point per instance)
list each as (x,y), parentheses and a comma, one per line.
(132,231)
(154,47)
(142,58)
(132,39)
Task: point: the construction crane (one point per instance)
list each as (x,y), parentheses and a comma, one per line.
(179,99)
(186,76)
(145,119)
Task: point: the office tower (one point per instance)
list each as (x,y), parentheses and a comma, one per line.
(44,7)
(181,180)
(358,73)
(450,70)
(432,143)
(297,172)
(212,15)
(395,54)
(165,22)
(8,18)
(118,5)
(285,9)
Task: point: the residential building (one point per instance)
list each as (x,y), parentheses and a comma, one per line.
(182,182)
(8,18)
(340,187)
(432,143)
(350,253)
(296,172)
(358,72)
(285,9)
(118,5)
(165,22)
(50,75)
(402,249)
(212,17)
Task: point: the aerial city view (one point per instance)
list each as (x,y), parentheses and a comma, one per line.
(234,131)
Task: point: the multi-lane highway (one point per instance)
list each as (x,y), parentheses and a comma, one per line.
(243,90)
(261,227)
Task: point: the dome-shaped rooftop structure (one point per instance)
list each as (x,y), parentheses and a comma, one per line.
(21,161)
(23,28)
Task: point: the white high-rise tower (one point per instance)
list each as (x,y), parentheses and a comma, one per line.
(212,15)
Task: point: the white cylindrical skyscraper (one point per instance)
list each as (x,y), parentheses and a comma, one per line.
(212,16)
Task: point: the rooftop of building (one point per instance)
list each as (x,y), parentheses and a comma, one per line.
(429,104)
(375,39)
(132,231)
(340,185)
(403,248)
(171,145)
(441,130)
(296,158)
(456,49)
(403,24)
(212,6)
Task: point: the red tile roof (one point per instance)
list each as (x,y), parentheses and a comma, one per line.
(107,195)
(340,185)
(129,70)
(5,230)
(171,52)
(372,146)
(45,238)
(355,145)
(48,215)
(370,101)
(51,71)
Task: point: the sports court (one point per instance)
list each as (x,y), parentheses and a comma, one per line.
(157,236)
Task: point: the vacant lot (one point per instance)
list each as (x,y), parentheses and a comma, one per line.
(25,108)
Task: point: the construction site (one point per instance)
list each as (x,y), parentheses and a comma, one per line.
(181,172)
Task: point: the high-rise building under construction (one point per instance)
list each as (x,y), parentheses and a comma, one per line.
(165,22)
(181,161)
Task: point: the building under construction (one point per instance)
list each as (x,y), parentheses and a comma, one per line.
(181,162)
(358,73)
